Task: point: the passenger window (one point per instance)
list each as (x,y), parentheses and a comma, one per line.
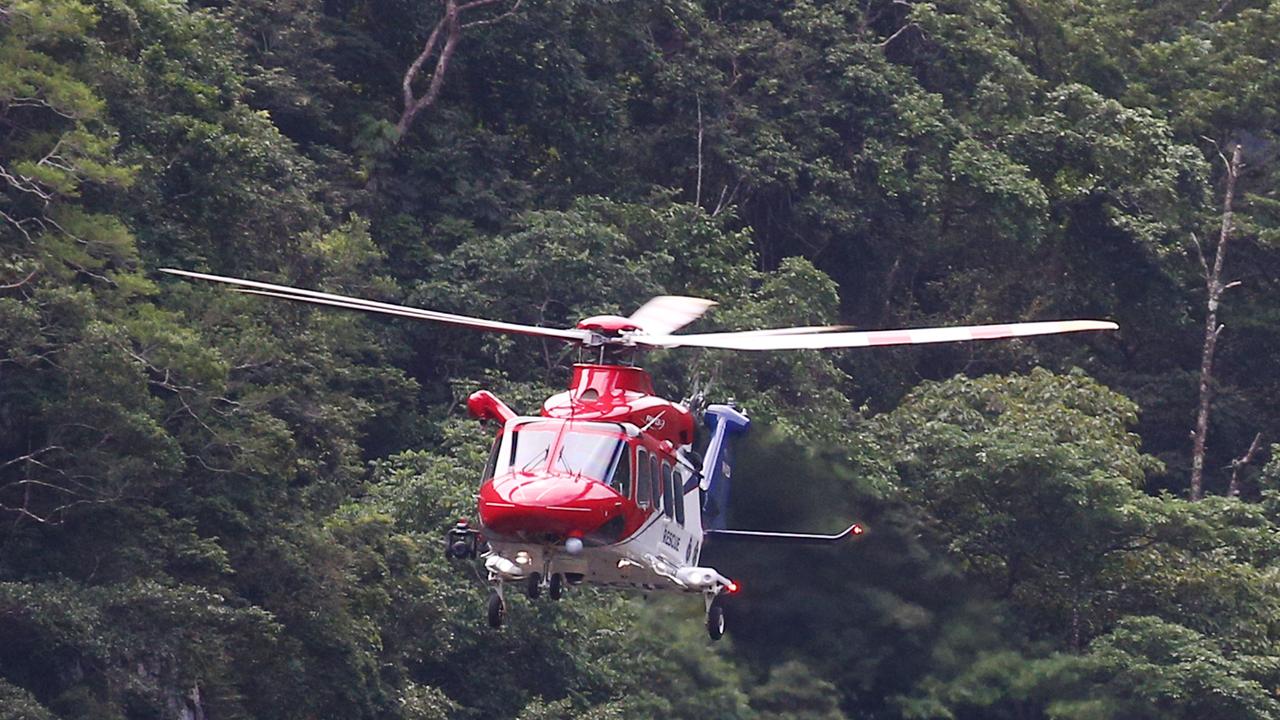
(642,477)
(677,487)
(668,493)
(655,482)
(622,475)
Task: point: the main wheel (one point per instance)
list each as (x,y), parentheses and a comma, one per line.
(715,620)
(497,610)
(556,590)
(533,586)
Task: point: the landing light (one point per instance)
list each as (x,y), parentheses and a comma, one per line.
(732,587)
(522,558)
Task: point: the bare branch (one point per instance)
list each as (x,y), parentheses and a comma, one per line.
(1195,243)
(20,283)
(31,456)
(896,34)
(411,74)
(40,103)
(19,224)
(441,44)
(495,18)
(1233,490)
(726,202)
(25,184)
(697,196)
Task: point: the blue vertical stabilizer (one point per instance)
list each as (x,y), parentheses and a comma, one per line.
(717,466)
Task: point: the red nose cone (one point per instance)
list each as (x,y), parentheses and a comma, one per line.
(541,507)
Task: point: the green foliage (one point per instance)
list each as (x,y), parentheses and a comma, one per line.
(1032,485)
(219,505)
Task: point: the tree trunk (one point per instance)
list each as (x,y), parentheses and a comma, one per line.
(442,42)
(1215,288)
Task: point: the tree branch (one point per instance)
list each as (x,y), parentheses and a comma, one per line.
(20,283)
(896,34)
(1233,490)
(495,18)
(441,44)
(697,195)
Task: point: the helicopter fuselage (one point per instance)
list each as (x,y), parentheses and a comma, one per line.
(599,488)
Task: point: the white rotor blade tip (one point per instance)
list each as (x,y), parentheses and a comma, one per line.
(667,313)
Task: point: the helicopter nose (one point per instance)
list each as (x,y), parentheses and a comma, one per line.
(545,506)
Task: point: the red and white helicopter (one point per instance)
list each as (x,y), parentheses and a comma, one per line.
(604,486)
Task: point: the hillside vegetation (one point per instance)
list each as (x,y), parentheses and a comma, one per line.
(218,506)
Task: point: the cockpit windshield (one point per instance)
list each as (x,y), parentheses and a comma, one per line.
(587,449)
(531,445)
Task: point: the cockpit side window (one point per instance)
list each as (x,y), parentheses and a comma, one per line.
(491,467)
(622,473)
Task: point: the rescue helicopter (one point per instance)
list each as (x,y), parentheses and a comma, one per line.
(605,486)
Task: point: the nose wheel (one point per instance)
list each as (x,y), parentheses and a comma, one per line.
(497,609)
(531,583)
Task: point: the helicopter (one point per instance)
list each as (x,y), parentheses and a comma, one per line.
(605,486)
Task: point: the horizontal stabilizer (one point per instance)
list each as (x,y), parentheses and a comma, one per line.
(783,538)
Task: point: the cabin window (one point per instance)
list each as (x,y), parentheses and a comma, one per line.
(655,482)
(668,493)
(642,477)
(677,487)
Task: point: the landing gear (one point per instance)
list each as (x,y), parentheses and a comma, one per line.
(556,589)
(497,609)
(533,585)
(715,619)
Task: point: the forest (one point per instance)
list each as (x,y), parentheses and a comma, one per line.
(214,505)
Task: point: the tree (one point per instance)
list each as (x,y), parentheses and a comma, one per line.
(1214,287)
(442,42)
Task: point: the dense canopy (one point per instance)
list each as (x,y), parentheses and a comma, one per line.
(217,506)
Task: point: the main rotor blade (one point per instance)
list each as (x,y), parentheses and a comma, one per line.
(873,338)
(667,313)
(801,330)
(352,303)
